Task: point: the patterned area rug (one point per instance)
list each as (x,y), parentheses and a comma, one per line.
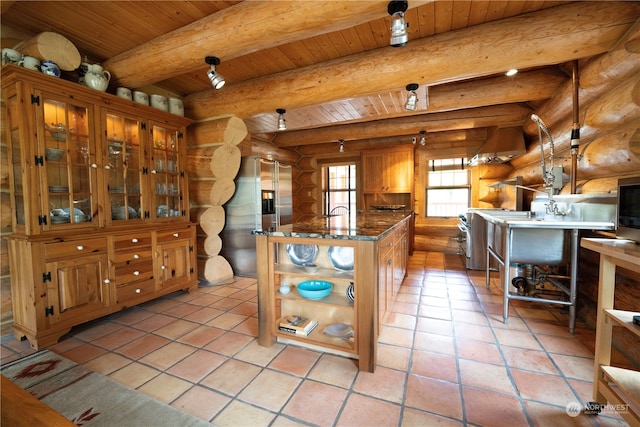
(88,398)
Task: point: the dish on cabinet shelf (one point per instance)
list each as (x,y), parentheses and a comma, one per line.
(58,131)
(60,219)
(315,289)
(341,257)
(58,189)
(54,154)
(302,254)
(351,296)
(339,330)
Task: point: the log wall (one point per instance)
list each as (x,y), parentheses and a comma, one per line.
(213,161)
(609,112)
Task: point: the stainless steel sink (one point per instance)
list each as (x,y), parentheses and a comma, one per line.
(527,245)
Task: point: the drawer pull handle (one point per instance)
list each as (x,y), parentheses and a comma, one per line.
(80,247)
(107,281)
(136,256)
(134,240)
(162,267)
(176,234)
(136,273)
(138,291)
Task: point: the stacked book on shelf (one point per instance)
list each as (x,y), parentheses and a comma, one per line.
(297,325)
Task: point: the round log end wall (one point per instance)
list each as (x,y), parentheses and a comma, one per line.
(213,162)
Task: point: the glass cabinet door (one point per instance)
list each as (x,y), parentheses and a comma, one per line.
(166,178)
(20,199)
(69,178)
(123,167)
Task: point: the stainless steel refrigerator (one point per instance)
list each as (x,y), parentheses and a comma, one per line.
(262,201)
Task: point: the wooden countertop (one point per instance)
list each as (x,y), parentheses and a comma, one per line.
(365,225)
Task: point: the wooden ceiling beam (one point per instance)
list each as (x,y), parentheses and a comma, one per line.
(505,115)
(549,36)
(238,30)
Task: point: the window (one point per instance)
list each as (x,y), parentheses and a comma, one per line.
(448,189)
(339,188)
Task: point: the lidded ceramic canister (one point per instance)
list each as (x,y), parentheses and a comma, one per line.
(176,107)
(159,102)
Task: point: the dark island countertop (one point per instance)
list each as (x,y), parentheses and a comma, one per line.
(365,225)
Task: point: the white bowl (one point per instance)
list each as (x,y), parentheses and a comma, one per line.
(54,154)
(310,267)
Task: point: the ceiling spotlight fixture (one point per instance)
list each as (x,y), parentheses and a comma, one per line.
(399,36)
(511,72)
(217,81)
(412,100)
(423,137)
(282,123)
(341,149)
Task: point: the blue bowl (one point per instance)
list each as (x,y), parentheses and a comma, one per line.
(315,289)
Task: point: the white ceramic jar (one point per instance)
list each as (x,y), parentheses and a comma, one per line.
(176,107)
(124,92)
(140,97)
(159,102)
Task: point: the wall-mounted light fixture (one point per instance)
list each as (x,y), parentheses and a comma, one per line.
(423,137)
(412,99)
(341,142)
(282,123)
(217,81)
(399,35)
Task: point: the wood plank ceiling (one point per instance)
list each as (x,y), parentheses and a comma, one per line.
(110,33)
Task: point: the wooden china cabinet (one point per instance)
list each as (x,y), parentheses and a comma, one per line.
(99,203)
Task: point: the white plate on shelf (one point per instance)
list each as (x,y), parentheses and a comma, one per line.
(339,330)
(341,257)
(302,254)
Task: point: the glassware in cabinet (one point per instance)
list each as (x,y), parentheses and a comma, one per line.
(17,155)
(124,164)
(167,178)
(69,175)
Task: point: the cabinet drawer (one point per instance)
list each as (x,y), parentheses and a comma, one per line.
(131,241)
(133,255)
(134,291)
(127,273)
(75,248)
(171,236)
(386,242)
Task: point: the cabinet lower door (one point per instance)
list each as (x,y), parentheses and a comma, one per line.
(175,263)
(77,287)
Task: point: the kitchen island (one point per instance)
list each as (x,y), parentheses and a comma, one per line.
(363,256)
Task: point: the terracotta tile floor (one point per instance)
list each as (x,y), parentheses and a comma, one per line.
(445,357)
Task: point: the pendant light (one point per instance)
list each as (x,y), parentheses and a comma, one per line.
(412,99)
(217,81)
(341,142)
(282,123)
(399,35)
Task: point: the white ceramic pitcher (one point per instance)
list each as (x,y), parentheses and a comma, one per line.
(97,78)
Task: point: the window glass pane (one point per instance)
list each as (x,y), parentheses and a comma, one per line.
(447,202)
(447,192)
(339,187)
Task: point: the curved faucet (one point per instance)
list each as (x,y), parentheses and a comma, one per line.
(547,175)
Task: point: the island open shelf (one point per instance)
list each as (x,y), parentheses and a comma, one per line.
(355,272)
